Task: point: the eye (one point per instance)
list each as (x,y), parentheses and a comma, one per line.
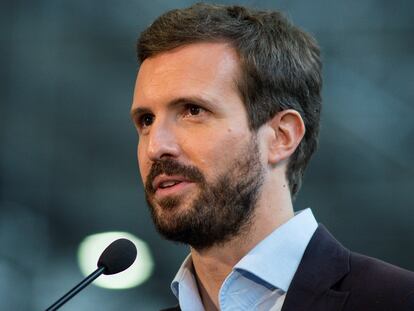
(193,110)
(145,120)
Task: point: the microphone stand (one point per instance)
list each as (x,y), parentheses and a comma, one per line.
(90,278)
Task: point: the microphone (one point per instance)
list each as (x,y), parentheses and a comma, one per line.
(117,257)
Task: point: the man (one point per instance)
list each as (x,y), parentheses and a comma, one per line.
(226,105)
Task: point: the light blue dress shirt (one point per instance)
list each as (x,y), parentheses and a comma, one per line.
(260,280)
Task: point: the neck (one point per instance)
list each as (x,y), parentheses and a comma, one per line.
(214,264)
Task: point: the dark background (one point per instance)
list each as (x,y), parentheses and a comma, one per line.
(67,146)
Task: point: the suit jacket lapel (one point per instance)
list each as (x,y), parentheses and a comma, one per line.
(324,263)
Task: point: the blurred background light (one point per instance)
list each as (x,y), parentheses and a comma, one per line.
(91,248)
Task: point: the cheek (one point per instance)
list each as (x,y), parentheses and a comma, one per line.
(216,152)
(141,161)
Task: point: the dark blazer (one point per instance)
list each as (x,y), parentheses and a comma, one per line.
(331,278)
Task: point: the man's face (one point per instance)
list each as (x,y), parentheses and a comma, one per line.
(199,161)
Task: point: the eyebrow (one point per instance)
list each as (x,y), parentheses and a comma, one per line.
(138,111)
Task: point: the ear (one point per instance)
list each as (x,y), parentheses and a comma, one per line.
(287,130)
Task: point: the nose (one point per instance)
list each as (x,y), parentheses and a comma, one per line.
(162,141)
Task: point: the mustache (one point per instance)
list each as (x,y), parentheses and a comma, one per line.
(171,167)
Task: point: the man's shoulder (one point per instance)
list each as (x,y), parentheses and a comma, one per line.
(382,281)
(368,281)
(331,277)
(361,268)
(369,268)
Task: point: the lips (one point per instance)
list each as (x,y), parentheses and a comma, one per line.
(169,183)
(165,182)
(168,177)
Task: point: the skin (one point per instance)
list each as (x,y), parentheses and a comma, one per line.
(207,130)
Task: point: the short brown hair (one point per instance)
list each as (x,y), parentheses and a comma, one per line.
(280,64)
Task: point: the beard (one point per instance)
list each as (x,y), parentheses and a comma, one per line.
(219,211)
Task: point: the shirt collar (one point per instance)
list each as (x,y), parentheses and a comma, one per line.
(184,287)
(274,260)
(183,274)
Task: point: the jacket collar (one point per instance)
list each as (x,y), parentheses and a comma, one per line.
(324,263)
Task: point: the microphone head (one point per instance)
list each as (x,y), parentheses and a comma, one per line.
(118,256)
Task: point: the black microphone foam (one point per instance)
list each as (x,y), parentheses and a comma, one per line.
(118,256)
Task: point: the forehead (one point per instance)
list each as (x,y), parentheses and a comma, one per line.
(201,69)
